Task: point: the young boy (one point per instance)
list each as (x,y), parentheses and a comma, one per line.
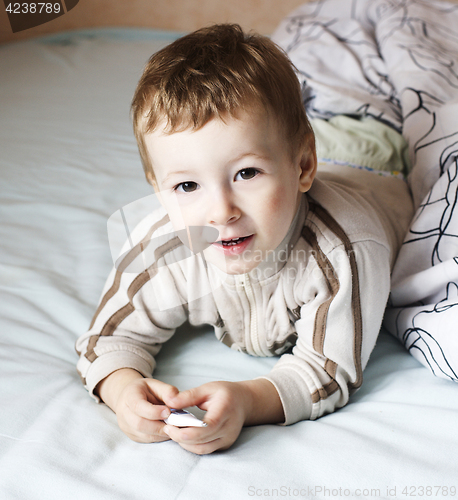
(287,262)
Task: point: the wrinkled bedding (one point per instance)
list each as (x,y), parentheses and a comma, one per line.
(396,61)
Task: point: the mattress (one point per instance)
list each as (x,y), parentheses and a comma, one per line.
(68,162)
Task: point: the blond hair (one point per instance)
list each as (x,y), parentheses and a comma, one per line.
(215,72)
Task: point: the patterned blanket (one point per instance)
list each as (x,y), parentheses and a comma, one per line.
(397,61)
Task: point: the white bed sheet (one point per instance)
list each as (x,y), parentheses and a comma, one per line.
(68,160)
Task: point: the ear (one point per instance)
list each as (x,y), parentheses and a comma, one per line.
(308,166)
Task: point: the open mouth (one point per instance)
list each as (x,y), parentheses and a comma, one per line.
(232,242)
(234,246)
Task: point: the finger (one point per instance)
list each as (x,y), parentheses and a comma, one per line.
(146,438)
(148,430)
(197,440)
(203,448)
(151,428)
(146,410)
(219,410)
(189,434)
(137,401)
(192,397)
(192,435)
(161,390)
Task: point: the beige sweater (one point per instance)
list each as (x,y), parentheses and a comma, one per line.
(317,301)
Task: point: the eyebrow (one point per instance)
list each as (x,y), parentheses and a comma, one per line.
(244,155)
(178,172)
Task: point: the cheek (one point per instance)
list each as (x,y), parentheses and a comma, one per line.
(282,203)
(183,212)
(176,213)
(275,206)
(279,212)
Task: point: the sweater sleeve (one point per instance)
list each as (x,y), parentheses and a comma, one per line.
(343,296)
(140,308)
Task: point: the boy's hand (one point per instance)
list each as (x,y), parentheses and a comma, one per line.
(229,406)
(138,403)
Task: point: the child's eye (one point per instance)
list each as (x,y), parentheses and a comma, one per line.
(186,187)
(247,173)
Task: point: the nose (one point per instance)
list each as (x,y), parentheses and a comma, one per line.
(223,210)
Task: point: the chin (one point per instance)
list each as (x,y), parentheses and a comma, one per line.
(234,267)
(239,271)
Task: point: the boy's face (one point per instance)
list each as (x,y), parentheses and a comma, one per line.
(236,177)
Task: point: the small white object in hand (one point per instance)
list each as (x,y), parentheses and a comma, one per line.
(183,418)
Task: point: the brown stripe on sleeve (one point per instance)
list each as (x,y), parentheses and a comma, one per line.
(319,331)
(331,387)
(90,354)
(139,281)
(335,227)
(325,391)
(330,368)
(332,284)
(128,259)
